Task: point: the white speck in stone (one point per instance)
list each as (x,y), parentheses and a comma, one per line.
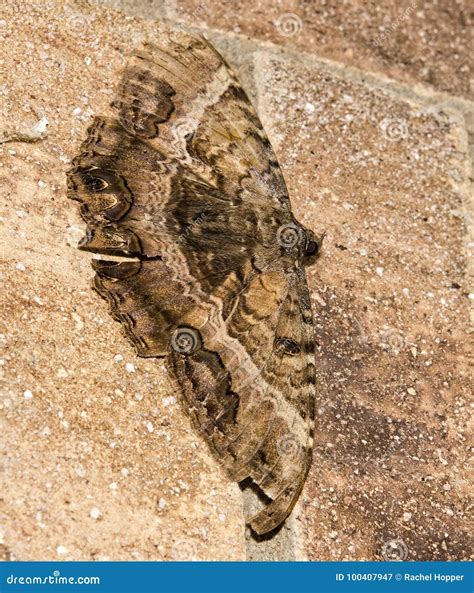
(449,512)
(363,252)
(78,323)
(76,111)
(406,291)
(20,266)
(80,471)
(411,391)
(42,126)
(41,183)
(447,487)
(407,517)
(88,61)
(149,426)
(169,401)
(379,271)
(95,513)
(27,394)
(118,358)
(124,471)
(20,213)
(130,367)
(113,486)
(162,503)
(471,296)
(62,373)
(45,432)
(61,550)
(309,108)
(222,517)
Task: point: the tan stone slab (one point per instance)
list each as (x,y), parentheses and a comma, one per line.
(387,180)
(407,40)
(98,459)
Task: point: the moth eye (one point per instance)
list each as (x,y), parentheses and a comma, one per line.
(312,248)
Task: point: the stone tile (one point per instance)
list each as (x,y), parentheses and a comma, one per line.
(410,41)
(100,462)
(386,179)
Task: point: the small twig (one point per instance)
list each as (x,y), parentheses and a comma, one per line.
(33,134)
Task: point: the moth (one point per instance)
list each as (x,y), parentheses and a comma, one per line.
(203,261)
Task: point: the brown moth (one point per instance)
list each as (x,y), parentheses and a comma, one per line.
(182,180)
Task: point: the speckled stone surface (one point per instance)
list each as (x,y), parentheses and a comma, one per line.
(387,181)
(407,40)
(98,460)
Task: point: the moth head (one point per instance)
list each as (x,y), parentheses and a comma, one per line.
(299,243)
(312,247)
